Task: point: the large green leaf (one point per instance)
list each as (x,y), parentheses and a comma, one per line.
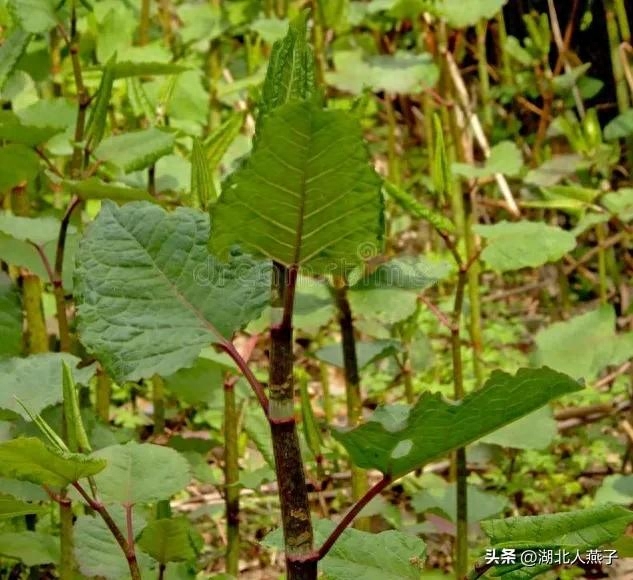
(32,548)
(169,540)
(135,151)
(150,296)
(587,528)
(416,209)
(616,489)
(534,431)
(37,380)
(401,72)
(140,473)
(584,345)
(10,318)
(516,245)
(397,439)
(357,554)
(306,196)
(29,459)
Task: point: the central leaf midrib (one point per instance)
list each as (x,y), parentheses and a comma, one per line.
(302,196)
(182,299)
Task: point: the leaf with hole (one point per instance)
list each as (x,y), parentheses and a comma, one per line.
(397,439)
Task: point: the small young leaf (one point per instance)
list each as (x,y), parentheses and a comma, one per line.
(218,143)
(440,171)
(140,473)
(169,540)
(28,459)
(291,73)
(14,130)
(126,69)
(76,437)
(407,202)
(516,245)
(398,439)
(94,188)
(202,186)
(11,51)
(307,193)
(149,294)
(95,128)
(135,151)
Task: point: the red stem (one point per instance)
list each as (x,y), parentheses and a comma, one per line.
(348,518)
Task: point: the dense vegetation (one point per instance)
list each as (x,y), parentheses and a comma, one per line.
(331,288)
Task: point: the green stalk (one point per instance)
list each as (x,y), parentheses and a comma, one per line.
(393,159)
(621,89)
(231,479)
(484,79)
(449,123)
(460,468)
(103,394)
(214,67)
(318,37)
(36,334)
(352,386)
(301,560)
(143,25)
(602,263)
(474,298)
(158,401)
(623,20)
(506,68)
(66,557)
